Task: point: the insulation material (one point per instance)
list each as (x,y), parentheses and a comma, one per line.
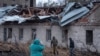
(12,18)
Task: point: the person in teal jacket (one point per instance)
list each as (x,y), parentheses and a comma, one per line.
(36,48)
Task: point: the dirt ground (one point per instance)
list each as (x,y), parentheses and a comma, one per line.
(61,52)
(8,49)
(65,52)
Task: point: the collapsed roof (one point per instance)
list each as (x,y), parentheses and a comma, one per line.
(62,15)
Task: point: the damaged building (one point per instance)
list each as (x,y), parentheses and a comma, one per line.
(75,20)
(24,25)
(83,30)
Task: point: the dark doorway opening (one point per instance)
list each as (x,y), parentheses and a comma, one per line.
(89,37)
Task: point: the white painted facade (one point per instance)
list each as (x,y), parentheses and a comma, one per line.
(27,33)
(78,34)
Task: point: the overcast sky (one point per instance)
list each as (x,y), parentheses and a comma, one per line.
(46,1)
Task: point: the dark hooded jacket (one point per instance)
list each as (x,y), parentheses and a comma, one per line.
(71,43)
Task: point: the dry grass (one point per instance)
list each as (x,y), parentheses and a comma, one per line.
(8,49)
(14,49)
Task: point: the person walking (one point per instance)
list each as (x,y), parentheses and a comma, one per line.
(36,48)
(71,47)
(54,44)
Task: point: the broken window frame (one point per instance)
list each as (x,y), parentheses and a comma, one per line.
(48,34)
(89,37)
(7,33)
(21,31)
(33,34)
(64,35)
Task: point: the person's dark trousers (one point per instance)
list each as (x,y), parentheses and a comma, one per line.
(55,51)
(72,52)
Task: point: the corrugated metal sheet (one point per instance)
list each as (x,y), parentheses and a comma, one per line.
(67,8)
(73,15)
